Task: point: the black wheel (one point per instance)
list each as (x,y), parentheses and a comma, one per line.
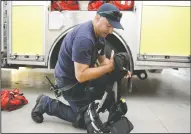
(125,83)
(142,75)
(108,49)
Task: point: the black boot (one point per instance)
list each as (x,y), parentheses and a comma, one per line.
(39,109)
(52,107)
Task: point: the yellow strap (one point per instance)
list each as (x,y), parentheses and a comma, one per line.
(123,100)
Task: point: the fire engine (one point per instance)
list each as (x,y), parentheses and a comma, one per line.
(156,34)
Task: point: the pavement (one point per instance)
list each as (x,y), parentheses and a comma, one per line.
(159,104)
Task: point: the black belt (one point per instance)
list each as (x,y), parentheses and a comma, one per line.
(76,89)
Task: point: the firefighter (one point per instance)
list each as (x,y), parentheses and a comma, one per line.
(75,66)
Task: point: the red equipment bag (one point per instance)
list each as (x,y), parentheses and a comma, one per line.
(12,99)
(93,5)
(64,5)
(123,5)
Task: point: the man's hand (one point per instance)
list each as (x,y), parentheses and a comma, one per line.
(84,73)
(128,75)
(103,60)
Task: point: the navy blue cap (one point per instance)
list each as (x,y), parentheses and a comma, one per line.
(112,14)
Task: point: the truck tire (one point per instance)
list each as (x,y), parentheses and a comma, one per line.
(108,49)
(125,84)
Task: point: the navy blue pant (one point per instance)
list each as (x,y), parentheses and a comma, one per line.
(56,108)
(68,113)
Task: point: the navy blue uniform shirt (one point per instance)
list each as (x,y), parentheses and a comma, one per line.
(79,45)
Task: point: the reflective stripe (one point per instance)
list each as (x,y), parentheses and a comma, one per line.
(91,117)
(95,127)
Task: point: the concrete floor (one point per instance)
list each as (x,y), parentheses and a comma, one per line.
(159,104)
